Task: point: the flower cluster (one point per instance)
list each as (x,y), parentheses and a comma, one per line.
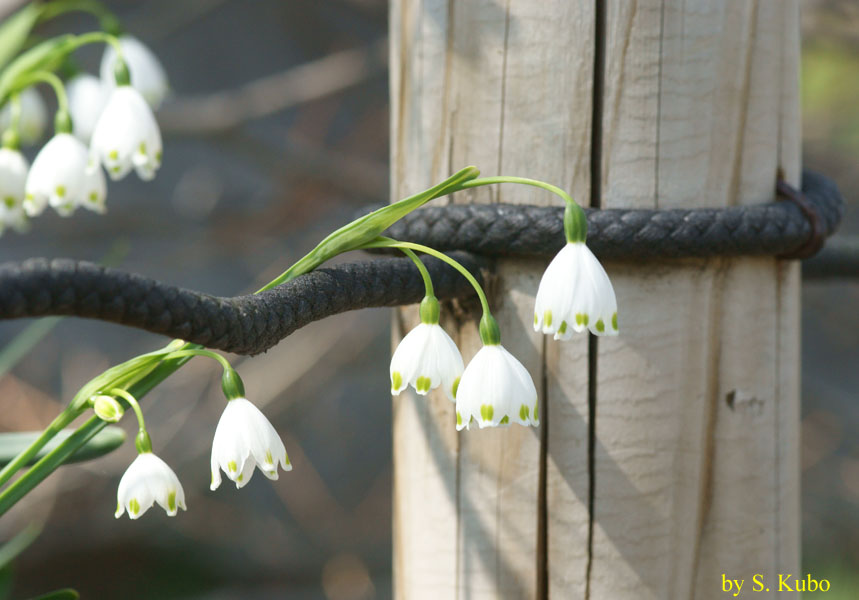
(244,440)
(495,389)
(103,124)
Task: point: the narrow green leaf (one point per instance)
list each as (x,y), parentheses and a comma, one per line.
(15,30)
(104,442)
(11,549)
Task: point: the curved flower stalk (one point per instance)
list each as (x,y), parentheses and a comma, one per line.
(495,389)
(146,481)
(13,178)
(147,74)
(87,98)
(33,116)
(244,439)
(575,294)
(59,177)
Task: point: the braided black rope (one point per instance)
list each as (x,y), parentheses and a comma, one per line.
(243,324)
(774,228)
(252,324)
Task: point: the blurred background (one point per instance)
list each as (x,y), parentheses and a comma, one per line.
(250,181)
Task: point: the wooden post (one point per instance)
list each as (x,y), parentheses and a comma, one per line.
(690,468)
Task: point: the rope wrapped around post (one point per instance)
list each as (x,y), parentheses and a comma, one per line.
(251,324)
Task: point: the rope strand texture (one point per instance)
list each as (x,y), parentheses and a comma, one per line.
(775,228)
(252,324)
(244,324)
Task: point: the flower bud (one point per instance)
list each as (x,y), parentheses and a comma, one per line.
(107,408)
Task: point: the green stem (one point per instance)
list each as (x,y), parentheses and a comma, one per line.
(132,401)
(383,242)
(107,19)
(423,269)
(202,352)
(369,227)
(95,37)
(52,80)
(57,425)
(521,180)
(49,463)
(575,221)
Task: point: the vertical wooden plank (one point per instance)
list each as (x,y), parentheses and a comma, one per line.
(504,86)
(690,456)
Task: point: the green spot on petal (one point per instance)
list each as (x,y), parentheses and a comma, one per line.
(9,201)
(600,326)
(547,318)
(60,190)
(134,506)
(423,384)
(455,386)
(113,155)
(614,321)
(537,411)
(93,196)
(116,169)
(232,466)
(523,412)
(536,319)
(396,380)
(142,148)
(563,328)
(171,501)
(158,156)
(458,418)
(239,478)
(268,458)
(486,412)
(505,420)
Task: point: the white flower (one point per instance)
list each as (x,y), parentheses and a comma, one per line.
(146,481)
(58,176)
(13,178)
(244,439)
(574,294)
(496,389)
(126,135)
(87,97)
(95,189)
(426,358)
(34,116)
(147,74)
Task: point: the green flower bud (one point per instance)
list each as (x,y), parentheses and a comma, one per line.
(107,408)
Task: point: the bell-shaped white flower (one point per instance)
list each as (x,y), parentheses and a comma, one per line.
(87,96)
(575,294)
(126,135)
(146,481)
(244,439)
(147,74)
(58,176)
(425,359)
(496,389)
(34,116)
(13,178)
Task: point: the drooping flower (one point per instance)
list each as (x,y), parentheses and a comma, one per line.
(87,97)
(127,135)
(426,357)
(575,294)
(34,116)
(13,178)
(95,189)
(147,74)
(496,389)
(148,480)
(244,439)
(58,176)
